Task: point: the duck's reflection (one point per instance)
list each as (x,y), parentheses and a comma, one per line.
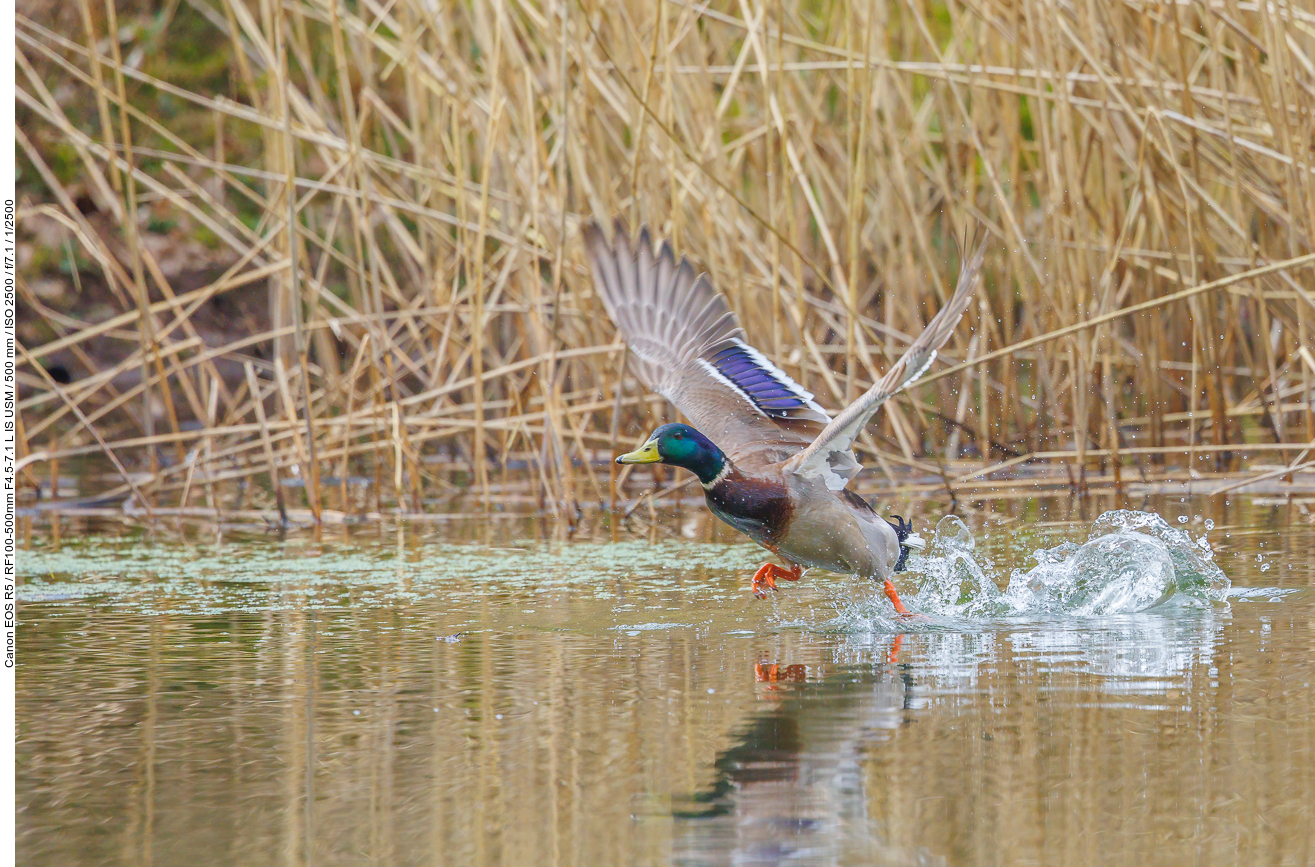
(797,785)
(791,789)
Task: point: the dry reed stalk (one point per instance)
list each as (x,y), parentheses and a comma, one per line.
(349,417)
(402,184)
(271,464)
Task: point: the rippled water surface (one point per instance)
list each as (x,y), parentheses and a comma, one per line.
(484,694)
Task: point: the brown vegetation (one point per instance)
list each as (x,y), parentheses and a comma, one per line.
(1144,171)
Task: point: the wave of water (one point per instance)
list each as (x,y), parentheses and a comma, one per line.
(1131,561)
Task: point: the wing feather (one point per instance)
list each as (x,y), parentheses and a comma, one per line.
(686,344)
(838,437)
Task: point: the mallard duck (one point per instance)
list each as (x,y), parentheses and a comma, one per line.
(773,463)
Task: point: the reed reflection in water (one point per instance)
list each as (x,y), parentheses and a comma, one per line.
(606,722)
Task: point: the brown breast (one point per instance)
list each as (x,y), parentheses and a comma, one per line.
(758,508)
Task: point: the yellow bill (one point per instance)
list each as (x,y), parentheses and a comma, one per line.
(645,454)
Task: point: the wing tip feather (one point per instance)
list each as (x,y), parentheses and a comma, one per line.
(816,457)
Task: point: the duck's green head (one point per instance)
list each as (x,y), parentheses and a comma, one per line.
(681,446)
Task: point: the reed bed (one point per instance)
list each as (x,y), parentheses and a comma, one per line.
(326,255)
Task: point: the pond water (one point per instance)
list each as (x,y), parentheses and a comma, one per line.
(482,693)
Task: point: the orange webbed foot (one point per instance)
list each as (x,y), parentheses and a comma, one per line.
(901,610)
(765,578)
(895,600)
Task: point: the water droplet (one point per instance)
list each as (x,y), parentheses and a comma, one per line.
(1182,519)
(1264,567)
(1209,524)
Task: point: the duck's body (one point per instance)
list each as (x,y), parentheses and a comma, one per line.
(838,531)
(794,516)
(772,462)
(805,524)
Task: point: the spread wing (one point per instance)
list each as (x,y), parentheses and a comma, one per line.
(819,458)
(686,344)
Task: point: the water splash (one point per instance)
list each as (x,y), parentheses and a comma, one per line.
(1130,562)
(956,580)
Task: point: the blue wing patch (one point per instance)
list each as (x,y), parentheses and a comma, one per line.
(764,384)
